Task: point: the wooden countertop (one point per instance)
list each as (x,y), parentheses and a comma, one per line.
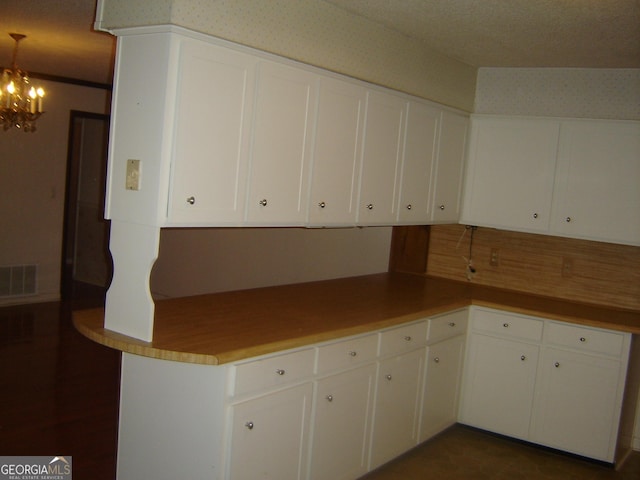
(225,327)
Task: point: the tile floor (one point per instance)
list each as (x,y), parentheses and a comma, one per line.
(463,453)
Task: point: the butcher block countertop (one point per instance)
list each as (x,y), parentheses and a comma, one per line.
(226,327)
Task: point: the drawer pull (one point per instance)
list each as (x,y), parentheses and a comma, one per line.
(408,338)
(329,398)
(263,202)
(437,359)
(388,377)
(505,325)
(322,204)
(557,364)
(280,372)
(582,339)
(523,358)
(452,324)
(353,353)
(191,200)
(370,206)
(249,425)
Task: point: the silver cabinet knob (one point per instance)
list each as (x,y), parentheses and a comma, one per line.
(409,207)
(441,207)
(523,358)
(370,206)
(191,200)
(582,339)
(437,359)
(388,377)
(568,219)
(249,425)
(353,353)
(408,338)
(505,325)
(280,372)
(557,364)
(329,398)
(263,202)
(452,324)
(322,204)
(535,215)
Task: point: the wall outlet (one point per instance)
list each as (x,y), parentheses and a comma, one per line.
(494,259)
(133,175)
(567,267)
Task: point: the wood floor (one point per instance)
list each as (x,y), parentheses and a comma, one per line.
(60,397)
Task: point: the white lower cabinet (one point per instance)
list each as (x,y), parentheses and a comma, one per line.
(269,435)
(341,424)
(396,407)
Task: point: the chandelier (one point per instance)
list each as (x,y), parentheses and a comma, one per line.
(20,102)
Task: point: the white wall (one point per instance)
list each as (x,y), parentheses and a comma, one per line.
(32,186)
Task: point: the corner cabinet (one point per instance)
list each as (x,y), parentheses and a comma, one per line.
(569,177)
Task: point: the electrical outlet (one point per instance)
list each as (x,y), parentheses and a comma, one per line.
(494,260)
(133,175)
(567,267)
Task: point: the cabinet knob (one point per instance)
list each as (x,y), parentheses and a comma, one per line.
(523,358)
(437,359)
(568,219)
(370,206)
(408,338)
(535,215)
(505,325)
(191,200)
(329,398)
(409,207)
(557,364)
(388,377)
(280,372)
(582,339)
(452,324)
(441,207)
(353,353)
(322,204)
(249,425)
(263,202)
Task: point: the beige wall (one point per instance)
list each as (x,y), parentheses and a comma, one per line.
(32,186)
(312,32)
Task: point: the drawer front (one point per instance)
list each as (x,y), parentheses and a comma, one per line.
(507,325)
(343,354)
(274,371)
(403,339)
(585,339)
(448,325)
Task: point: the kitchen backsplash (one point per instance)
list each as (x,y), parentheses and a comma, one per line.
(578,270)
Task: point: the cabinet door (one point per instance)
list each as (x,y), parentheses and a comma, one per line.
(498,385)
(210,156)
(341,424)
(577,404)
(419,154)
(281,145)
(336,155)
(447,182)
(381,158)
(269,435)
(397,406)
(510,173)
(597,193)
(440,402)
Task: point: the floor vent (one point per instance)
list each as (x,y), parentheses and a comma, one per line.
(18,280)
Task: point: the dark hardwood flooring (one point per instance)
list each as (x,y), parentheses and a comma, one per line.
(60,397)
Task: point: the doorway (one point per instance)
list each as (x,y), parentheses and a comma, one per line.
(86,263)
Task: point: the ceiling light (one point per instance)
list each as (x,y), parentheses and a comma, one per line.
(20,102)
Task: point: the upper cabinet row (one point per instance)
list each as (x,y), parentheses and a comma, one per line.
(567,177)
(259,142)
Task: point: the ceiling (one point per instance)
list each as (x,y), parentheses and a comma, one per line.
(484,33)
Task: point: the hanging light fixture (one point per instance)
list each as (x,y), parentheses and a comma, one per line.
(20,102)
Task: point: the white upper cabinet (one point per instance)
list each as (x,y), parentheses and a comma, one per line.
(510,173)
(337,153)
(381,158)
(447,181)
(420,150)
(598,181)
(281,145)
(210,157)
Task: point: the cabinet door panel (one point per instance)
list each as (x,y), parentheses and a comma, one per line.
(209,166)
(575,407)
(396,407)
(419,154)
(381,159)
(281,145)
(269,435)
(341,424)
(498,385)
(336,156)
(597,194)
(511,170)
(447,182)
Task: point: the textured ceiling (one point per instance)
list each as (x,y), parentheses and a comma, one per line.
(493,33)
